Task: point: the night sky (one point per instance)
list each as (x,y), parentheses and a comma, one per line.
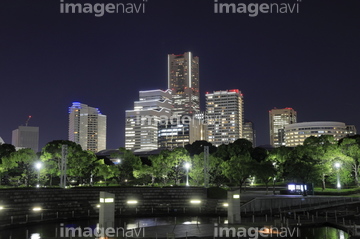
(309,61)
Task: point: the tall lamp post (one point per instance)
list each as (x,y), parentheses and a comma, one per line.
(337,166)
(38,166)
(187,166)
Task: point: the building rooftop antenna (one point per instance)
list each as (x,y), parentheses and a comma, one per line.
(27,121)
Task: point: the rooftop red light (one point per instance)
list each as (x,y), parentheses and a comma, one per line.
(234,90)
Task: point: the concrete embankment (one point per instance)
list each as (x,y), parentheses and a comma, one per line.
(82,202)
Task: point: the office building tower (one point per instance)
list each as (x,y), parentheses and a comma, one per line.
(183,80)
(198,128)
(249,132)
(278,119)
(224,115)
(295,134)
(87,127)
(142,123)
(173,134)
(26,137)
(180,131)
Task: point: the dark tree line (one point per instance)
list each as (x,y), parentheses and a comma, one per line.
(233,164)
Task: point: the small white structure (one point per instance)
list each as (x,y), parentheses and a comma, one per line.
(234,207)
(107,210)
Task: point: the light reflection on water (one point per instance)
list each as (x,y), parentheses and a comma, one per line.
(52,230)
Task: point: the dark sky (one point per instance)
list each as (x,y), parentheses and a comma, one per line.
(309,61)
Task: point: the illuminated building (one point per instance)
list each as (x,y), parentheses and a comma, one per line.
(87,127)
(350,130)
(295,134)
(278,119)
(174,134)
(180,131)
(183,80)
(142,123)
(224,115)
(249,132)
(26,137)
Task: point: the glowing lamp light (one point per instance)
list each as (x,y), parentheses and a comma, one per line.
(1,208)
(35,236)
(109,200)
(106,200)
(37,209)
(226,204)
(98,205)
(236,196)
(132,202)
(38,165)
(291,187)
(195,201)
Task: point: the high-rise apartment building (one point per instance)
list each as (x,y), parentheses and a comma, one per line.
(26,137)
(225,116)
(87,127)
(183,80)
(249,132)
(142,123)
(278,119)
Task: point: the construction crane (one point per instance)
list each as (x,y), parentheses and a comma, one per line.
(27,121)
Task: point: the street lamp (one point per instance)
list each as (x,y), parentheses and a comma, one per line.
(38,166)
(337,166)
(187,166)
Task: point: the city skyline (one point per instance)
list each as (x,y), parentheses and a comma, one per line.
(308,61)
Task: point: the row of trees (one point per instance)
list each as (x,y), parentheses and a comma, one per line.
(235,163)
(232,164)
(18,168)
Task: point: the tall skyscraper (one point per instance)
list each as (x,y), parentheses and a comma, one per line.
(225,116)
(26,137)
(249,132)
(142,123)
(183,80)
(87,127)
(278,119)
